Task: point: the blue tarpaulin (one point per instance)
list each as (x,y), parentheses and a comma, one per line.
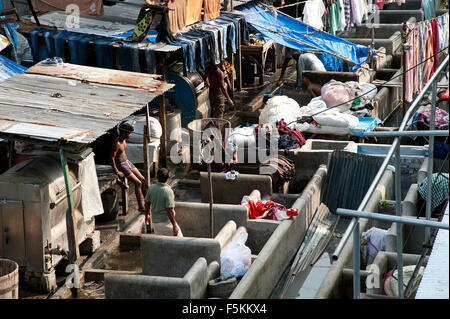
(297,35)
(9,68)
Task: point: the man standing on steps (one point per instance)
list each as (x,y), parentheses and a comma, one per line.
(123,167)
(160,198)
(215,80)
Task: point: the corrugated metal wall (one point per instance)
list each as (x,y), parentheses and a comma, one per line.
(348,179)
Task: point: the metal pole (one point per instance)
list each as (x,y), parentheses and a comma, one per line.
(404,68)
(147,163)
(406,133)
(356,260)
(74,252)
(398,207)
(211,219)
(430,160)
(391,218)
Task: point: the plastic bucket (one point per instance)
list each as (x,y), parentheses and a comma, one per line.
(9,279)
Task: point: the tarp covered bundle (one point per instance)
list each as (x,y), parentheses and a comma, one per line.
(297,35)
(9,68)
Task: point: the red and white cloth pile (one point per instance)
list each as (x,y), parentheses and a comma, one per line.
(267,209)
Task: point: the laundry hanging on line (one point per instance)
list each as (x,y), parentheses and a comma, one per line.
(426,39)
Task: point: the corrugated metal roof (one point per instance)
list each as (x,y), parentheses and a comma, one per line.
(72,104)
(435,284)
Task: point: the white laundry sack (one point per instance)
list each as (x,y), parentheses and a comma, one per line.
(317,104)
(139,122)
(236,258)
(372,241)
(280,107)
(243,137)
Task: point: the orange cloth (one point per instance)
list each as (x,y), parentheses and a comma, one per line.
(193,11)
(212,9)
(92,7)
(177,18)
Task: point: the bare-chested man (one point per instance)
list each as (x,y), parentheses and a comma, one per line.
(215,80)
(123,167)
(314,89)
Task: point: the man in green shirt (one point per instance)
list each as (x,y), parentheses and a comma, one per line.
(160,198)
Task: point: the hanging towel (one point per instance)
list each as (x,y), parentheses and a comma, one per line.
(212,9)
(193,11)
(91,202)
(177,18)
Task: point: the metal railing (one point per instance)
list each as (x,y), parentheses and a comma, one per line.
(395,150)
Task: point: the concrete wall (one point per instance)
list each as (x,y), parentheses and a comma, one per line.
(174,256)
(386,261)
(386,98)
(192,286)
(231,192)
(391,43)
(400,16)
(332,284)
(266,271)
(194,218)
(259,232)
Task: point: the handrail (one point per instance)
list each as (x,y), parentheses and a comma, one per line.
(395,147)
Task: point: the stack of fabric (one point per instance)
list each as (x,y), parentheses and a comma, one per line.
(280,169)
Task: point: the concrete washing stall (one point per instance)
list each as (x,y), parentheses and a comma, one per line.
(172,267)
(182,267)
(338,281)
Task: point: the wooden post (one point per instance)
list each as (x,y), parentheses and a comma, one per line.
(238,61)
(74,252)
(147,163)
(162,108)
(33,12)
(10,153)
(211,219)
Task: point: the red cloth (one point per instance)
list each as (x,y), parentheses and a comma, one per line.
(380,4)
(444,96)
(284,129)
(269,210)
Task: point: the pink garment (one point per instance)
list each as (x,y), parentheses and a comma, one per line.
(380,4)
(335,93)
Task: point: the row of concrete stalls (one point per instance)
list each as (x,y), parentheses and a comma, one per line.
(50,184)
